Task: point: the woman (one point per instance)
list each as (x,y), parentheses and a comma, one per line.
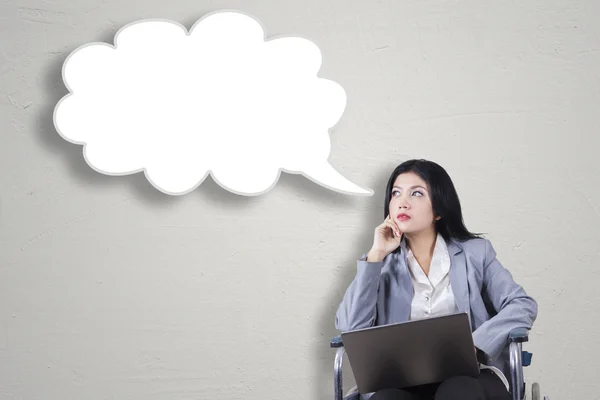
(424,263)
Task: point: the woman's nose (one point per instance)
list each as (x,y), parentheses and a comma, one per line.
(403,203)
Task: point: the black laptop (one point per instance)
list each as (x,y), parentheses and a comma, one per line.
(411,353)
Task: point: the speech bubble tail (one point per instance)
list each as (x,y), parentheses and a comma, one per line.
(325,175)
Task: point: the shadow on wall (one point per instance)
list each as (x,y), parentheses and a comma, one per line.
(324,355)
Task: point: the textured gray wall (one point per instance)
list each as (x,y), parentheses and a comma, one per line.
(110,289)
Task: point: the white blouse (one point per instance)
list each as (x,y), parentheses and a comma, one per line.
(433,294)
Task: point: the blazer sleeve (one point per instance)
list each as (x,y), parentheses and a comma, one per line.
(358,308)
(515,309)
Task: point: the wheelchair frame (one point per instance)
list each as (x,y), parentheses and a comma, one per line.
(518,360)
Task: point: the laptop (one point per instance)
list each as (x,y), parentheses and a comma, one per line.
(412,353)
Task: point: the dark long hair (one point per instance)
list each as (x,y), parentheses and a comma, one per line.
(444,198)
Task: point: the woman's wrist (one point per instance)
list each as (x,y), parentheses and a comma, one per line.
(375,256)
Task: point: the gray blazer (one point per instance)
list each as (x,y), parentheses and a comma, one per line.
(382,292)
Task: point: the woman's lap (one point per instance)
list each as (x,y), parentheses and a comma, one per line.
(487,386)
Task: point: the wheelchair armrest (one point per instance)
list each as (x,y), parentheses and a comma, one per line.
(336,342)
(518,335)
(526,358)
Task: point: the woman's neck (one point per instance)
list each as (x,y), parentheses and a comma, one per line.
(422,243)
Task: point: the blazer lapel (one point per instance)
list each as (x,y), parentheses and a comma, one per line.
(458,277)
(403,280)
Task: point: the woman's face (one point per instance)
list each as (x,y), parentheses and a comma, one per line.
(410,196)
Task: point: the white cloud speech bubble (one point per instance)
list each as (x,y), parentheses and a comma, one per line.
(219,100)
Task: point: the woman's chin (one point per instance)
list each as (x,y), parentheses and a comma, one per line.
(410,231)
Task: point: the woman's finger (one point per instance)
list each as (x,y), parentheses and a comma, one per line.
(393,227)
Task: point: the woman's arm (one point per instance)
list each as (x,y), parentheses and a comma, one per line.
(515,309)
(358,307)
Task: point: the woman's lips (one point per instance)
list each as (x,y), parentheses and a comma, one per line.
(403,217)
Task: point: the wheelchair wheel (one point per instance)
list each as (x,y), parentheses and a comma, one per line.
(535,391)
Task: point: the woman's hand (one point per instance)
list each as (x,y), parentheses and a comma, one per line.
(386,239)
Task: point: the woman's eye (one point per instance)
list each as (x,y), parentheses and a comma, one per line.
(416,191)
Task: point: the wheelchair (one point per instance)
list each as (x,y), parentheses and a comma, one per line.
(518,360)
